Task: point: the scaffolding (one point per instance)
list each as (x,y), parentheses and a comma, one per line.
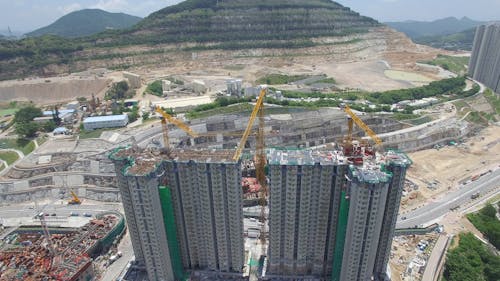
(340,236)
(171,231)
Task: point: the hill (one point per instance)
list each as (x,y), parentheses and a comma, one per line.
(446,26)
(191,26)
(457,41)
(233,21)
(86,22)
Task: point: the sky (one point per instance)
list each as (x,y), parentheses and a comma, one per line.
(28,15)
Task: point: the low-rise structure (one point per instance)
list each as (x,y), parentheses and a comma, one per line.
(134,80)
(99,122)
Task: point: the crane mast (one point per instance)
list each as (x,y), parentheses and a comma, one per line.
(253,116)
(362,125)
(167,117)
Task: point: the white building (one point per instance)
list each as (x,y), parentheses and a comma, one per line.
(100,122)
(234,87)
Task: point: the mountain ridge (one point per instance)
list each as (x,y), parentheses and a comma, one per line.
(86,22)
(439,27)
(229,27)
(238,20)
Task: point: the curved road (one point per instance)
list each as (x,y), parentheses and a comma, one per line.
(434,210)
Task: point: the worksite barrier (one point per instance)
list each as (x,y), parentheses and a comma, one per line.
(416,230)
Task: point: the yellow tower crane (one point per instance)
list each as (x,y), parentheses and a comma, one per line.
(362,125)
(167,117)
(260,157)
(258,107)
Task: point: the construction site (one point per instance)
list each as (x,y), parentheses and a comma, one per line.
(55,253)
(313,202)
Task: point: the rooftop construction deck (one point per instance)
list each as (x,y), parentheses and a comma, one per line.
(145,161)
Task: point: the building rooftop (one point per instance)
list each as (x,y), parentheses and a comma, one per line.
(61,112)
(105,118)
(305,157)
(146,161)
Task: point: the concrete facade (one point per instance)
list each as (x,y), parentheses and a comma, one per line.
(305,217)
(207,204)
(142,207)
(398,170)
(305,189)
(484,65)
(366,212)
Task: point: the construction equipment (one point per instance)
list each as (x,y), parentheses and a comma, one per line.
(362,125)
(167,117)
(357,149)
(75,200)
(260,158)
(56,258)
(255,111)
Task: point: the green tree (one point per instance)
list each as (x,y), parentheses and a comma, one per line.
(27,114)
(145,116)
(155,88)
(134,114)
(49,126)
(119,91)
(26,129)
(489,211)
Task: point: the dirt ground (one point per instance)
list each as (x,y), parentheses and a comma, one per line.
(445,168)
(405,252)
(359,65)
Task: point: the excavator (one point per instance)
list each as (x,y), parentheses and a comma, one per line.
(75,200)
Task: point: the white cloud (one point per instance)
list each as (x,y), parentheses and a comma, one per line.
(69,8)
(111,5)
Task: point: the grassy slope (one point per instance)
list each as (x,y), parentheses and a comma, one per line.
(9,157)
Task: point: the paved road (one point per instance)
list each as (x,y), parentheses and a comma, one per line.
(18,211)
(117,268)
(434,210)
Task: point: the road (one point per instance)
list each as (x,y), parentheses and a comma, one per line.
(59,207)
(116,269)
(434,210)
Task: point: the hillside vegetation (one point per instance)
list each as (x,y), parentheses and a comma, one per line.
(237,20)
(448,33)
(457,41)
(450,25)
(471,260)
(207,24)
(86,22)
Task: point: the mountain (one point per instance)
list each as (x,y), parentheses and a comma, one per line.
(235,21)
(179,31)
(86,22)
(446,26)
(457,41)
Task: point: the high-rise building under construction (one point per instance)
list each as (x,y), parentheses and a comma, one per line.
(331,220)
(184,211)
(328,219)
(484,65)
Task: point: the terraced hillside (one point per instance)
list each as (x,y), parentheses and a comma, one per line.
(175,32)
(236,20)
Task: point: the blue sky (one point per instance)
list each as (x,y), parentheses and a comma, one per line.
(27,15)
